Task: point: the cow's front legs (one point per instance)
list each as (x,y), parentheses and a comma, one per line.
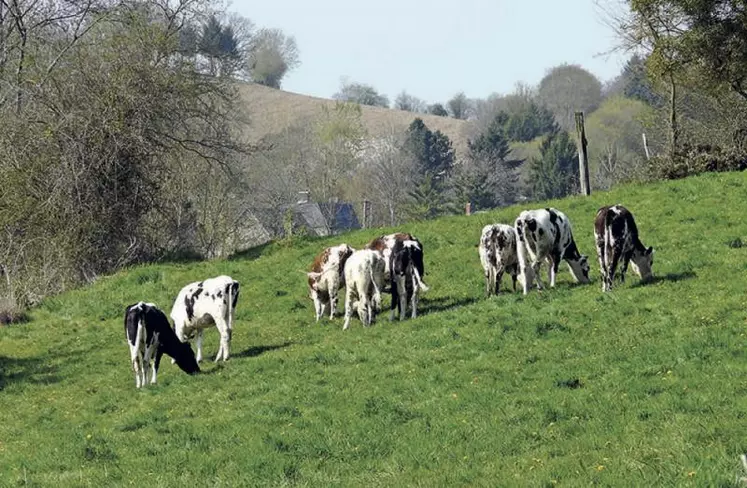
(536,273)
(624,268)
(137,368)
(199,345)
(613,267)
(414,300)
(225,338)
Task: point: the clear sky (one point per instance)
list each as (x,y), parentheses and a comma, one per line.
(436,48)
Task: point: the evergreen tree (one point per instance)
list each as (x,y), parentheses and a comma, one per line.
(554,173)
(491,178)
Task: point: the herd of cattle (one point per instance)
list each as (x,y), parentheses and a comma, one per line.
(396,261)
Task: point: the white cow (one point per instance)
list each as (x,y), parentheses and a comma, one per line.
(364,279)
(498,254)
(545,235)
(203,304)
(149,336)
(327,277)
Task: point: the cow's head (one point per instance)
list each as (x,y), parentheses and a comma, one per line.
(642,263)
(185,358)
(580,268)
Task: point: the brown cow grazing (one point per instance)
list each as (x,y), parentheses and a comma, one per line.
(616,237)
(327,277)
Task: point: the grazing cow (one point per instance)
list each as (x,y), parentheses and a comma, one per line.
(385,243)
(498,254)
(545,234)
(364,278)
(616,236)
(327,277)
(149,335)
(203,304)
(405,266)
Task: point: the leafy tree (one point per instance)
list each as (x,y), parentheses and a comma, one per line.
(272,55)
(707,39)
(615,144)
(554,173)
(633,82)
(438,109)
(409,103)
(460,106)
(361,93)
(567,89)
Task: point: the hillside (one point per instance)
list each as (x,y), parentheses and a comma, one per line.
(643,386)
(272,110)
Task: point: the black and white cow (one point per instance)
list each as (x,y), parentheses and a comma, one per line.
(405,271)
(545,235)
(384,244)
(364,279)
(616,237)
(149,336)
(204,304)
(498,254)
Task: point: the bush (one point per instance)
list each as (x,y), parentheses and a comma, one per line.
(695,159)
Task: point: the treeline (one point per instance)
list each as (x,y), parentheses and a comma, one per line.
(121,136)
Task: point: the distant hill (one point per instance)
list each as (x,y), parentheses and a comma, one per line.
(271,111)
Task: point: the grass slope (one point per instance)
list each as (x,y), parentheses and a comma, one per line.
(644,386)
(271,111)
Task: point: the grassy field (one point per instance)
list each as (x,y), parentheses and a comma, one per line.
(280,109)
(643,386)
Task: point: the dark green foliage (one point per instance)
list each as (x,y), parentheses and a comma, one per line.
(695,159)
(555,173)
(438,109)
(532,121)
(433,156)
(636,84)
(490,178)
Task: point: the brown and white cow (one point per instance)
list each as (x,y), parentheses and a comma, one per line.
(546,235)
(616,237)
(498,254)
(327,277)
(364,279)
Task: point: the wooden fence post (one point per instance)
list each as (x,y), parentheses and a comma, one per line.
(583,166)
(366,213)
(468,209)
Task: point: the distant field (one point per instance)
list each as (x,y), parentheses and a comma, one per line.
(643,386)
(272,110)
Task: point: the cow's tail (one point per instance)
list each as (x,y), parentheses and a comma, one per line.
(377,292)
(608,218)
(421,284)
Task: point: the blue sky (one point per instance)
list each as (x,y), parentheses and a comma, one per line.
(434,49)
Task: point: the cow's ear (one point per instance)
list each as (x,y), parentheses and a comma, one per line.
(314,275)
(649,251)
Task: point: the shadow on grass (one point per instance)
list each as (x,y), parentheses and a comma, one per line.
(252,253)
(38,370)
(440,304)
(255,351)
(670,277)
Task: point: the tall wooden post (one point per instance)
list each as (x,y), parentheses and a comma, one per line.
(468,209)
(583,166)
(366,213)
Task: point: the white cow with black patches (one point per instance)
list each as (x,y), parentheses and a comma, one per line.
(364,279)
(546,235)
(149,336)
(498,254)
(617,241)
(204,304)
